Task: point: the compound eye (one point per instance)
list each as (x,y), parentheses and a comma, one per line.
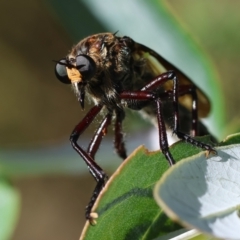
(61,71)
(86,66)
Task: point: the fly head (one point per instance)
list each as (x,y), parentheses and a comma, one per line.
(78,71)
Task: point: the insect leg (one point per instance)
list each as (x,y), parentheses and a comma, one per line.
(194,130)
(176,92)
(176,131)
(148,93)
(163,141)
(99,175)
(118,142)
(143,96)
(99,134)
(191,89)
(197,127)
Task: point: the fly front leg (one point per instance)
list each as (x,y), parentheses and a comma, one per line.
(118,141)
(96,171)
(99,134)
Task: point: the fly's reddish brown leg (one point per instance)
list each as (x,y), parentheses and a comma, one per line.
(194,111)
(192,91)
(163,141)
(176,131)
(143,96)
(118,142)
(147,93)
(99,175)
(99,134)
(182,90)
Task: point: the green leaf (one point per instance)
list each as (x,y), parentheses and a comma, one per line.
(126,207)
(231,139)
(9,209)
(204,193)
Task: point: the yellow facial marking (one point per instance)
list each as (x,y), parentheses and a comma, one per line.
(74,75)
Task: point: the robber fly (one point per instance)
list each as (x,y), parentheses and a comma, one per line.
(118,73)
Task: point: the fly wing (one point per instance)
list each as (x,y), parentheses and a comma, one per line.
(158,65)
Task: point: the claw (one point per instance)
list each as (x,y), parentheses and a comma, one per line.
(210,152)
(92,218)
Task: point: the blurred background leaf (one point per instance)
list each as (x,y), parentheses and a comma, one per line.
(38,113)
(9,208)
